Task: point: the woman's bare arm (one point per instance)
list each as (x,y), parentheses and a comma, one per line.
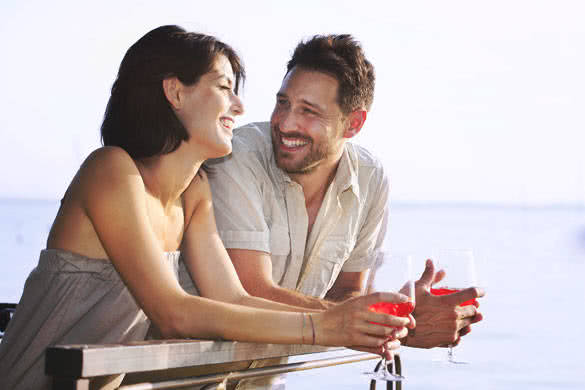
(113,195)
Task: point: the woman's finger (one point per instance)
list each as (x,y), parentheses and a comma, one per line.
(392,345)
(401,333)
(387,319)
(376,350)
(375,329)
(392,297)
(366,340)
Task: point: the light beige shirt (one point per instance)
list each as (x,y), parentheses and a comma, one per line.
(258,207)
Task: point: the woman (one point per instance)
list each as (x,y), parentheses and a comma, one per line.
(110,267)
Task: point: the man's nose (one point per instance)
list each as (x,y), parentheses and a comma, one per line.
(288,121)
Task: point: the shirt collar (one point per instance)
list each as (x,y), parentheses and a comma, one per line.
(346,177)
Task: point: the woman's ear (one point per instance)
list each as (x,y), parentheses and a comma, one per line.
(356,120)
(172,89)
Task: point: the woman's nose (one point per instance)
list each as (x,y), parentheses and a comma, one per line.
(237,105)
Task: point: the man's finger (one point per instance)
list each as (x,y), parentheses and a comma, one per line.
(462,296)
(427,276)
(469,312)
(464,324)
(439,276)
(464,331)
(466,312)
(477,317)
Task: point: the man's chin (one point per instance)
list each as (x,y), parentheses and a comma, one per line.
(294,169)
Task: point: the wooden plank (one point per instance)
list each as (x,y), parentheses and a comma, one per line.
(253,372)
(98,360)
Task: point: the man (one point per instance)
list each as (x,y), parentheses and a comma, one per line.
(302,211)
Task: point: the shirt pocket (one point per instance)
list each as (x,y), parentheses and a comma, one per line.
(279,251)
(333,254)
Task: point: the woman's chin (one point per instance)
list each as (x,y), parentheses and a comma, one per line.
(222,150)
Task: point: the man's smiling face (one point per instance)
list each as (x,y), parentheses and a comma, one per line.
(307,123)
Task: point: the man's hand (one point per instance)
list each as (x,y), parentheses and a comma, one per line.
(439,320)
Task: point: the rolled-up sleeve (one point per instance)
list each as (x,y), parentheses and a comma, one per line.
(238,206)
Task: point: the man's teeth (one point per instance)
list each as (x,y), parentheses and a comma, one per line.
(293,143)
(226,123)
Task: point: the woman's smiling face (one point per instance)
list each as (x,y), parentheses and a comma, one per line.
(208,109)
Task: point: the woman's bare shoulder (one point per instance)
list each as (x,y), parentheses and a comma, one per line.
(108,170)
(199,188)
(109,159)
(197,194)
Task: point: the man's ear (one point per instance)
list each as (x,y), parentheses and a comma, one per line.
(356,120)
(172,89)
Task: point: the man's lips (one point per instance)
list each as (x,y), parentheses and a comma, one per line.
(292,141)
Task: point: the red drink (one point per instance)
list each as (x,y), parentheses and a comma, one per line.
(447,291)
(395,309)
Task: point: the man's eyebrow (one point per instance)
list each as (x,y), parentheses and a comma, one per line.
(313,105)
(304,101)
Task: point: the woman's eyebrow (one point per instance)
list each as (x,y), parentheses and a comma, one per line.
(224,76)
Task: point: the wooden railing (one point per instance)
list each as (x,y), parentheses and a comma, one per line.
(85,366)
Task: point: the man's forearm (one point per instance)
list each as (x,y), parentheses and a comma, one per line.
(339,295)
(294,298)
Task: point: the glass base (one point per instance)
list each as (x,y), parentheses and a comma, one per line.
(450,358)
(383,376)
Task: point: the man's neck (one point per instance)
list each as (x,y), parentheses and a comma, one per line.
(315,185)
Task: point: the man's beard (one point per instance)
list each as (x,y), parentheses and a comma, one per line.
(317,153)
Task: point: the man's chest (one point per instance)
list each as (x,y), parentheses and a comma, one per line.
(309,250)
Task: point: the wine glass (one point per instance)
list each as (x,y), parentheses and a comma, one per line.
(460,273)
(391,274)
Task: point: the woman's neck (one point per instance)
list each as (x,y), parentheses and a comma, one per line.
(167,176)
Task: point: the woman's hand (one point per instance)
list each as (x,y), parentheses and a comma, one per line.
(352,324)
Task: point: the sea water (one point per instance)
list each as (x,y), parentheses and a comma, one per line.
(530,261)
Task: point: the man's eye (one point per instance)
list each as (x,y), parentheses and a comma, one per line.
(309,111)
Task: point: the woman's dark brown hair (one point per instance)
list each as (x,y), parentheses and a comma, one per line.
(138,117)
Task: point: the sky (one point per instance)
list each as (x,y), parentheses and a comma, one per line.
(477,102)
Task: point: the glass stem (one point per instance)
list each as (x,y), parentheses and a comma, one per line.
(385,371)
